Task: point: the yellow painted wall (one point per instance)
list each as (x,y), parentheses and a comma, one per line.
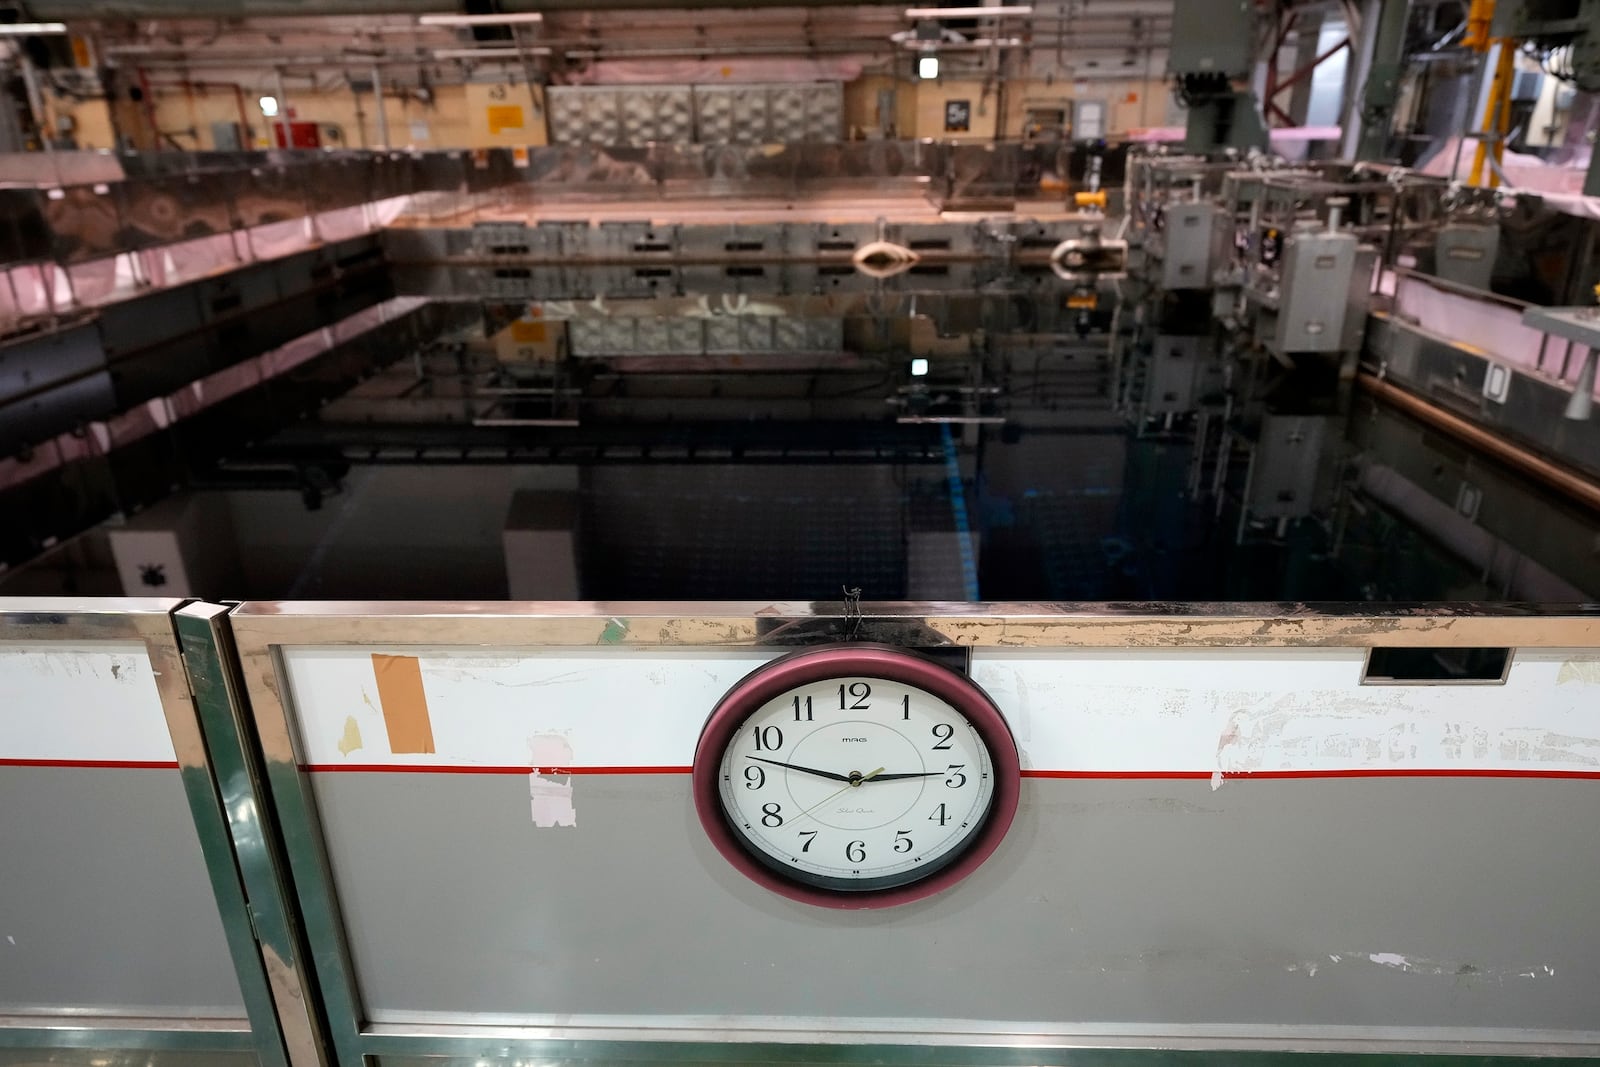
(504,114)
(861,103)
(458,117)
(91,118)
(1129,104)
(931,99)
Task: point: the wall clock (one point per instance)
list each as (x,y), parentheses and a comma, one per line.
(856,776)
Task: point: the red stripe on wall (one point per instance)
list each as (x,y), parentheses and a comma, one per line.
(1365,772)
(1356,772)
(467,768)
(102,764)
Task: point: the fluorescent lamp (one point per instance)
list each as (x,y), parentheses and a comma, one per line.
(269,106)
(928,68)
(30,29)
(487,53)
(967,12)
(919,367)
(977,45)
(479,20)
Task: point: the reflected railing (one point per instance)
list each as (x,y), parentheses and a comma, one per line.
(72,207)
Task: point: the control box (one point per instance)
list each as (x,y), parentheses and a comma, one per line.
(1314,290)
(1196,238)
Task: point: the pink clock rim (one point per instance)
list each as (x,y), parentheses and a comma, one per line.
(870,661)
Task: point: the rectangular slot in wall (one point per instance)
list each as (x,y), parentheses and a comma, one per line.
(1436,666)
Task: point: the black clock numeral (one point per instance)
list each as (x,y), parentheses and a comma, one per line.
(797,710)
(771,815)
(905,707)
(943,731)
(855,851)
(956,779)
(939,815)
(902,837)
(768,738)
(810,836)
(860,691)
(754,777)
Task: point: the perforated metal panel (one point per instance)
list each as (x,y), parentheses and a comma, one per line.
(715,109)
(692,337)
(824,112)
(569,121)
(681,114)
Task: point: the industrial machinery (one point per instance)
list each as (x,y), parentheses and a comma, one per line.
(1211,62)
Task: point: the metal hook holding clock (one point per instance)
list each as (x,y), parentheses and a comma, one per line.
(852,611)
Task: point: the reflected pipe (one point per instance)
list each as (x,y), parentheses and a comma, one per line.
(1581,406)
(1568,482)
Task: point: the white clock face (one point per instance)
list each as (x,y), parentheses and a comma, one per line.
(856,783)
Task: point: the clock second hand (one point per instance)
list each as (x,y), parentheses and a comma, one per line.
(830,796)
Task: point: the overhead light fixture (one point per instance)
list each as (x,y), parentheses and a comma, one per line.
(967,12)
(928,68)
(488,53)
(480,20)
(31,29)
(919,367)
(269,106)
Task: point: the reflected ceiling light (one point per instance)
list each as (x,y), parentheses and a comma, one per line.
(979,44)
(30,29)
(919,367)
(269,106)
(928,68)
(487,53)
(966,12)
(480,20)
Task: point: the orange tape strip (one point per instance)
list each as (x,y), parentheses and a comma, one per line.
(405,709)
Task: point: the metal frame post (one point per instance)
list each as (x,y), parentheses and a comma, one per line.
(377,96)
(1382,87)
(84,1037)
(212,668)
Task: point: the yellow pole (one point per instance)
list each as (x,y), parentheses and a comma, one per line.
(1496,114)
(1479,15)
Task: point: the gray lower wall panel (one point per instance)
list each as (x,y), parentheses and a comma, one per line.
(1313,903)
(100,1057)
(104,900)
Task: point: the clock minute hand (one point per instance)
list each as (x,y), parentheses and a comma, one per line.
(893,777)
(804,770)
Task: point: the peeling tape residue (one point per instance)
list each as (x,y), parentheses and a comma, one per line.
(1418,965)
(1575,670)
(350,740)
(550,798)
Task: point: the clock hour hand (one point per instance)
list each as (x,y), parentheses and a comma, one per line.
(804,770)
(893,777)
